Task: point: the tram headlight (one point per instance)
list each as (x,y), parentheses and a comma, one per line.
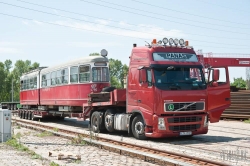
(165,40)
(176,41)
(171,41)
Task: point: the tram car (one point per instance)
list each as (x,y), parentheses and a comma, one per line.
(63,88)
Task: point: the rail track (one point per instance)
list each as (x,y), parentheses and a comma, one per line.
(160,157)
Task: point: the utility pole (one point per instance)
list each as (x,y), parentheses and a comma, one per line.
(12,91)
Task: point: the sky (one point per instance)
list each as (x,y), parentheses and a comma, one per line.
(54,32)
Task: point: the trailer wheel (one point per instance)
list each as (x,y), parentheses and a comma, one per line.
(21,114)
(109,120)
(95,124)
(138,128)
(27,115)
(30,115)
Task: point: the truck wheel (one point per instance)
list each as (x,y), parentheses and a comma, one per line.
(95,124)
(138,128)
(30,116)
(108,89)
(26,115)
(109,120)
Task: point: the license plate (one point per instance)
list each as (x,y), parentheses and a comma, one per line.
(186,133)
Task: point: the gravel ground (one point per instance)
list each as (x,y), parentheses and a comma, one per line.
(43,143)
(223,139)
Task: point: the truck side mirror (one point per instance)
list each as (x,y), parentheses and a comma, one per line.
(216,74)
(143,76)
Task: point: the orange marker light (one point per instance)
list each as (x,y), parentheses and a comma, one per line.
(154,41)
(186,43)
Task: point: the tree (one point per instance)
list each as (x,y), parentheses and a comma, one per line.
(118,72)
(94,54)
(239,83)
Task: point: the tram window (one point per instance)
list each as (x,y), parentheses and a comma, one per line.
(48,79)
(65,76)
(58,77)
(31,84)
(44,82)
(74,74)
(84,73)
(53,78)
(27,84)
(21,86)
(24,84)
(35,82)
(100,74)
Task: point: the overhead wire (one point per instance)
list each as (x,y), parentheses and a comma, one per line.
(24,18)
(197,26)
(162,14)
(217,5)
(195,34)
(102,24)
(179,11)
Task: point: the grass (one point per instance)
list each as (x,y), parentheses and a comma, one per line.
(55,129)
(78,161)
(78,140)
(14,143)
(53,164)
(247,121)
(44,134)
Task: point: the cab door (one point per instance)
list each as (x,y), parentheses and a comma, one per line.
(218,93)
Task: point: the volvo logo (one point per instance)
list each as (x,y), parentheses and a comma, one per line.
(171,107)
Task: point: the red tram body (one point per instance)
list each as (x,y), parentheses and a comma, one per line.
(64,87)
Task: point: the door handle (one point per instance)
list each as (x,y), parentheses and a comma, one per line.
(139,101)
(227,99)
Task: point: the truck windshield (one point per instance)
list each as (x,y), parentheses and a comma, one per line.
(179,78)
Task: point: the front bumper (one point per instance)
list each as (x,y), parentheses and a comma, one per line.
(174,125)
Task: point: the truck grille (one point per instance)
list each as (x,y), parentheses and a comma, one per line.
(192,106)
(185,119)
(184,127)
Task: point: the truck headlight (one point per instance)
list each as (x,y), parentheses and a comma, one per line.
(161,124)
(206,121)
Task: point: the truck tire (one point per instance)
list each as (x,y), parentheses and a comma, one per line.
(21,114)
(138,128)
(109,120)
(95,122)
(108,89)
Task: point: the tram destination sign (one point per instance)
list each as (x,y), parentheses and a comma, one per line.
(175,57)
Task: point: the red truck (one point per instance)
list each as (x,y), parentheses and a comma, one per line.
(169,92)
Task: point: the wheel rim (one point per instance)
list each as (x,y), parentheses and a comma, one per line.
(139,127)
(95,123)
(108,120)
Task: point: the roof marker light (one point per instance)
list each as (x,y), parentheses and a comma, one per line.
(176,41)
(186,43)
(181,42)
(165,40)
(154,41)
(171,41)
(159,42)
